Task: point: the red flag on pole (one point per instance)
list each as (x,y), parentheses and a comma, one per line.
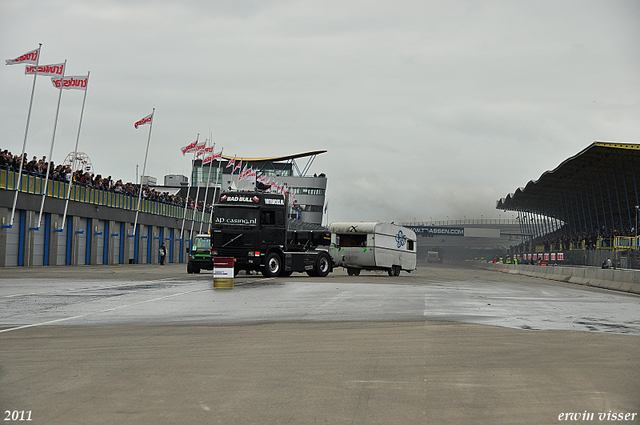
(29,57)
(143,121)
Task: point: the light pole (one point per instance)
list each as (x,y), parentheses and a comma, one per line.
(637,208)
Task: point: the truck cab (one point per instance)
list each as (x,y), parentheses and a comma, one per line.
(251,227)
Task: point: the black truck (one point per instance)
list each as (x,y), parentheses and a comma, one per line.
(252,228)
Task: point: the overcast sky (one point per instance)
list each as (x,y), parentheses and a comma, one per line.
(428,109)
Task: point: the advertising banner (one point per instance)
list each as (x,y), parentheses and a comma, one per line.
(223,268)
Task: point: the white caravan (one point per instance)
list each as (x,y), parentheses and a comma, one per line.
(373,246)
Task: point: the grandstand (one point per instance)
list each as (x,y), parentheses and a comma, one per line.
(583,211)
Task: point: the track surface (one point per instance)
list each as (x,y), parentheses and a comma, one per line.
(151,344)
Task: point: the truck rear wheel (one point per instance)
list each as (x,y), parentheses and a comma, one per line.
(272,266)
(353,272)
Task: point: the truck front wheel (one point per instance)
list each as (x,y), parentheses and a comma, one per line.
(272,266)
(323,265)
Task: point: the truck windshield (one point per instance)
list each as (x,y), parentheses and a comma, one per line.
(236,216)
(201,243)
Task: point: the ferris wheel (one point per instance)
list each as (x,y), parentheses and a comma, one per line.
(80,162)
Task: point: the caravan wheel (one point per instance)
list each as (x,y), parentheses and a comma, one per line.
(352,271)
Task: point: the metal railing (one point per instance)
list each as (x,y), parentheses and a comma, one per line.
(57,189)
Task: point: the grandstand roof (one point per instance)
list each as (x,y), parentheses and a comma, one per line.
(597,186)
(275,158)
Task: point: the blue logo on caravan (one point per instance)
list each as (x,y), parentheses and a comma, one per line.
(401,239)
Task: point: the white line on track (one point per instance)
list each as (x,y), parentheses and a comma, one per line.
(98,312)
(97,287)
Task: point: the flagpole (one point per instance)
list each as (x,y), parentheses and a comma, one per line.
(144,167)
(75,152)
(233,170)
(206,192)
(326,212)
(53,138)
(24,143)
(195,205)
(186,202)
(214,191)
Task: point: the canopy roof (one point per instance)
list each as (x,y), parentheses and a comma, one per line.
(596,187)
(275,158)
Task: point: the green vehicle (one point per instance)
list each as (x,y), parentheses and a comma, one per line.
(200,254)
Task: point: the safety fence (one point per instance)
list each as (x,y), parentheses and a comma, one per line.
(614,279)
(623,251)
(608,244)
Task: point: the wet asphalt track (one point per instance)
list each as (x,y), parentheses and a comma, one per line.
(153,345)
(100,296)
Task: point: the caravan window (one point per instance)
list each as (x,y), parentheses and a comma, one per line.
(409,245)
(351,239)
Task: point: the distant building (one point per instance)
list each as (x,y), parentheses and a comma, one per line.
(148,181)
(176,180)
(308,191)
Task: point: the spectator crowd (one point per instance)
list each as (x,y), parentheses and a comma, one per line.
(561,239)
(38,167)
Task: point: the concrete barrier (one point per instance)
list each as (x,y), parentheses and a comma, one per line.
(613,279)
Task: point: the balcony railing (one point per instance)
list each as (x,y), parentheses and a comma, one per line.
(57,189)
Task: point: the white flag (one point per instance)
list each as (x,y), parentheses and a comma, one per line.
(55,70)
(145,120)
(77,83)
(200,147)
(189,148)
(29,57)
(211,157)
